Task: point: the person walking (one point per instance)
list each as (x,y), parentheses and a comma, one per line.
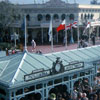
(33,45)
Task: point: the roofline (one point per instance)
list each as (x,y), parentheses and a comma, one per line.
(13,79)
(70,50)
(4,83)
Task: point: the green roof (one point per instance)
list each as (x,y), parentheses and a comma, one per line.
(2,53)
(14,67)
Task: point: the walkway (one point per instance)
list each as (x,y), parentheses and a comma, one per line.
(47,48)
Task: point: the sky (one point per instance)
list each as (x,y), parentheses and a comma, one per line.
(39,1)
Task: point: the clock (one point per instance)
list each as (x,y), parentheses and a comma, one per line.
(57,67)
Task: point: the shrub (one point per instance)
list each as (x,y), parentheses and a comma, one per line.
(5,45)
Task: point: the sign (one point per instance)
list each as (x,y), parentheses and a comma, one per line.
(74,66)
(40,73)
(35,75)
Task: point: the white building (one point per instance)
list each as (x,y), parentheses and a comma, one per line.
(39,15)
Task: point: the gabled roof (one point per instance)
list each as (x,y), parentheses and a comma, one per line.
(14,67)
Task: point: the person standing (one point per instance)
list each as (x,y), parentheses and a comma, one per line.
(93,38)
(33,45)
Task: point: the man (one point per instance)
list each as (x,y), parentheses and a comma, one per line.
(93,38)
(33,45)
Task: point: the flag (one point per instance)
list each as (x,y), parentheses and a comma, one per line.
(68,26)
(50,30)
(74,24)
(61,26)
(88,25)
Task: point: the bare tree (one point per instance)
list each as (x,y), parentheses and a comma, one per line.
(8,14)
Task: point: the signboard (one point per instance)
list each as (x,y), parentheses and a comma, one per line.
(74,66)
(40,73)
(35,75)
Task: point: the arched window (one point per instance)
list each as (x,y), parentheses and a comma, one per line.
(85,16)
(39,17)
(63,16)
(48,17)
(28,17)
(92,15)
(88,16)
(81,16)
(71,16)
(56,16)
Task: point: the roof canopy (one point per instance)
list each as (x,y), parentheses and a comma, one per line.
(14,67)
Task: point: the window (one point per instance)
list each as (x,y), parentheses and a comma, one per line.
(88,16)
(39,17)
(28,17)
(92,15)
(56,16)
(63,16)
(48,17)
(81,16)
(85,16)
(71,16)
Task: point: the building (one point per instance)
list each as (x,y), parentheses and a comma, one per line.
(27,75)
(39,16)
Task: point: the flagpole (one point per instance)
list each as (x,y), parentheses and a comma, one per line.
(25,34)
(15,39)
(51,36)
(78,32)
(89,33)
(65,34)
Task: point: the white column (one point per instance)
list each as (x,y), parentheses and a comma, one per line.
(25,34)
(52,34)
(15,39)
(78,33)
(89,34)
(65,34)
(98,32)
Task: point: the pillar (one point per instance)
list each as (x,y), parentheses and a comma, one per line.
(42,35)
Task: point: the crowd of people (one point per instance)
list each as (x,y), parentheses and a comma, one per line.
(84,41)
(82,91)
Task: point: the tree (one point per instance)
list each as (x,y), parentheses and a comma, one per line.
(8,14)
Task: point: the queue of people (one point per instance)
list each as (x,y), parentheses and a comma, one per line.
(82,91)
(82,44)
(85,40)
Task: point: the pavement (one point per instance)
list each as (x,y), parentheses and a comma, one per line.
(56,48)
